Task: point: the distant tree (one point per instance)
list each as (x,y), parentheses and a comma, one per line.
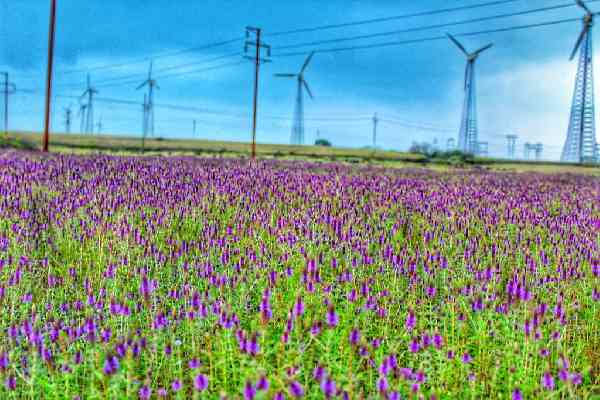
(421,148)
(322,142)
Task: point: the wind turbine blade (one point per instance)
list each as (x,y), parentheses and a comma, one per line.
(579,41)
(141,86)
(307,89)
(458,44)
(284,75)
(307,62)
(582,5)
(484,48)
(150,71)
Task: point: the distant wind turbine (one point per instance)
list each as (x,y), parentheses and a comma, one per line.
(149,113)
(89,113)
(468,138)
(298,127)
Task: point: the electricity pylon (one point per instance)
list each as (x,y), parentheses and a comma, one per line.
(512,145)
(580,145)
(468,140)
(298,127)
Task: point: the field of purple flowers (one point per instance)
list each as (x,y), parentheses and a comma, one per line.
(189,278)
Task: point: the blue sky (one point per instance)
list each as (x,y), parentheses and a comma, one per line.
(524,82)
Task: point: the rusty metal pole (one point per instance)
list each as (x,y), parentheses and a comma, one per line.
(49,74)
(257,63)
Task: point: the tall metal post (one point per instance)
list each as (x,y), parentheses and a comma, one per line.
(257,61)
(49,74)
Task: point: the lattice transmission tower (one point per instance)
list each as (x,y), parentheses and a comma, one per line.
(580,145)
(468,137)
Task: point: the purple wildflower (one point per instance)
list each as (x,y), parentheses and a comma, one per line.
(411,321)
(332,318)
(548,381)
(354,337)
(249,391)
(466,358)
(517,395)
(10,383)
(263,383)
(200,382)
(328,387)
(176,385)
(296,389)
(145,392)
(382,384)
(111,365)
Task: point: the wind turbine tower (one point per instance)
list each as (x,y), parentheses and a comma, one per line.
(82,113)
(468,139)
(298,127)
(68,114)
(89,107)
(149,114)
(581,136)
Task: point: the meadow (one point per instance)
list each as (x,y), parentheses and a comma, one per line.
(203,278)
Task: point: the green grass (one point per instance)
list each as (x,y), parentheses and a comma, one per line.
(126,145)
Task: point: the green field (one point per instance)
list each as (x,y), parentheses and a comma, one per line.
(124,145)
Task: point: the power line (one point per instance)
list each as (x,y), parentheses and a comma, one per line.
(392,18)
(147,58)
(170,68)
(428,39)
(173,75)
(428,27)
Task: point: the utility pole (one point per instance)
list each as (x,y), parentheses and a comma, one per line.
(375,122)
(8,89)
(68,113)
(257,61)
(49,74)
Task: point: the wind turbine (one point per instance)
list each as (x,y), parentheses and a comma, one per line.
(81,114)
(468,139)
(298,127)
(68,115)
(149,114)
(99,125)
(580,145)
(89,116)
